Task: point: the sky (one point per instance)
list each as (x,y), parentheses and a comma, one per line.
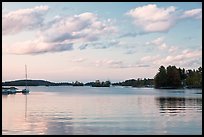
(86,41)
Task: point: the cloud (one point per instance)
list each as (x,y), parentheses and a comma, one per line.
(172,49)
(159,42)
(117,64)
(129,34)
(131,49)
(107,44)
(62,33)
(84,46)
(23,19)
(150,58)
(78,60)
(185,58)
(162,45)
(153,19)
(38,47)
(104,44)
(110,63)
(132,34)
(157,19)
(143,65)
(194,13)
(85,27)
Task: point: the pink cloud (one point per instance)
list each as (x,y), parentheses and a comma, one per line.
(23,19)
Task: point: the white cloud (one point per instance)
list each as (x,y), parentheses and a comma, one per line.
(172,49)
(153,19)
(110,63)
(23,19)
(158,19)
(79,60)
(158,42)
(194,13)
(162,45)
(150,58)
(185,58)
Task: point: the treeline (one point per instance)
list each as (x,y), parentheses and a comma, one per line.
(136,83)
(97,83)
(172,77)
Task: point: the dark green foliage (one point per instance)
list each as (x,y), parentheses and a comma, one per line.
(77,83)
(173,77)
(101,84)
(177,78)
(194,78)
(88,83)
(135,83)
(160,79)
(182,74)
(130,82)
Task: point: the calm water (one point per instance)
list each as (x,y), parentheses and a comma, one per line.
(114,110)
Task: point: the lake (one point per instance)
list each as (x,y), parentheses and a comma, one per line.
(103,111)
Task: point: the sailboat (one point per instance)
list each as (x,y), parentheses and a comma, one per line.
(26,90)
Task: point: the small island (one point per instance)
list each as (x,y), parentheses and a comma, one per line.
(101,84)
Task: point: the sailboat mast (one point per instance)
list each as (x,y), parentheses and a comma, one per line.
(26,75)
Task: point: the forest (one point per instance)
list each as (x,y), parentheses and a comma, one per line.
(173,77)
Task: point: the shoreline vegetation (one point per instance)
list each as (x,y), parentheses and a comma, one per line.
(167,78)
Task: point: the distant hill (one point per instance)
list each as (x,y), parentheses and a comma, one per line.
(33,83)
(97,83)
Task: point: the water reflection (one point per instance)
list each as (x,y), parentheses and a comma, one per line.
(61,126)
(26,105)
(178,104)
(68,112)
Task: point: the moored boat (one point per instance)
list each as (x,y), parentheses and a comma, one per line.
(26,90)
(9,90)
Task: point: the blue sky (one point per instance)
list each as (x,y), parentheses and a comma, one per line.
(98,40)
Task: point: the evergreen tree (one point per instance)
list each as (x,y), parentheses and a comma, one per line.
(194,78)
(161,78)
(173,77)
